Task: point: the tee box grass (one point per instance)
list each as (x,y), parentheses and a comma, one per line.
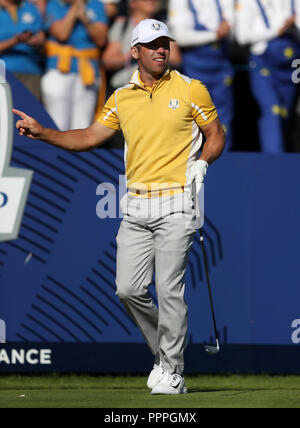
(103,391)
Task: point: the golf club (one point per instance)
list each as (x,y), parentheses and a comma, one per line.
(211,350)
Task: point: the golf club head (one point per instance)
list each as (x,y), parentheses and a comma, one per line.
(213,350)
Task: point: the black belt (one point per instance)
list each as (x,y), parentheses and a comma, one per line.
(157,193)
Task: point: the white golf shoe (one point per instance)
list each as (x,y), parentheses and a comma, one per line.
(155,376)
(170,384)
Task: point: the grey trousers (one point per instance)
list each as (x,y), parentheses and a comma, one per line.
(156,234)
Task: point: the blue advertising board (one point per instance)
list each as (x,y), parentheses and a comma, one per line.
(58,308)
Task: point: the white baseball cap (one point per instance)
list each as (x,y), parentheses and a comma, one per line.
(148,30)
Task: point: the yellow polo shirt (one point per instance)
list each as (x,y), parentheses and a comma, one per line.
(161,127)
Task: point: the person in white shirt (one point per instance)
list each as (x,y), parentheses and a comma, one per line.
(268,27)
(202,29)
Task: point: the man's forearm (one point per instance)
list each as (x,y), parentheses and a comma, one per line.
(79,140)
(215,142)
(76,140)
(211,152)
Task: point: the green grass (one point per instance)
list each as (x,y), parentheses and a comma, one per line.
(207,391)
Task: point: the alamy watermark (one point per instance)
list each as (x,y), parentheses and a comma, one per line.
(2,71)
(157,200)
(296,332)
(2,331)
(296,73)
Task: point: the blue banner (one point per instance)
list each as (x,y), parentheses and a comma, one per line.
(58,308)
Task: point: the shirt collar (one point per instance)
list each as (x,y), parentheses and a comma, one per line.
(136,79)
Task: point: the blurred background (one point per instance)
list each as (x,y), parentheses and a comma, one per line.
(242,50)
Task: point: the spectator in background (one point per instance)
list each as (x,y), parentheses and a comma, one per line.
(202,29)
(111,8)
(117,56)
(41,5)
(297,17)
(21,40)
(268,26)
(77,32)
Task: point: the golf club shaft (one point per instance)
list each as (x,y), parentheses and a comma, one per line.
(208,283)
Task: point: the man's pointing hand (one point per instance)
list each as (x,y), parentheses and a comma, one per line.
(27,125)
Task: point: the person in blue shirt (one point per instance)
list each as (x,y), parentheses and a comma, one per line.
(77,31)
(268,26)
(21,40)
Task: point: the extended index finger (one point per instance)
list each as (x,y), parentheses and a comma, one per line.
(20,113)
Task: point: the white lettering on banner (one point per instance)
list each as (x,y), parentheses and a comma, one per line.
(3,199)
(21,356)
(14,182)
(296,332)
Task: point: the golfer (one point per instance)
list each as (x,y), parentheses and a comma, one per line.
(165,118)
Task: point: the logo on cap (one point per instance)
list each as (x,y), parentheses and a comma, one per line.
(156,26)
